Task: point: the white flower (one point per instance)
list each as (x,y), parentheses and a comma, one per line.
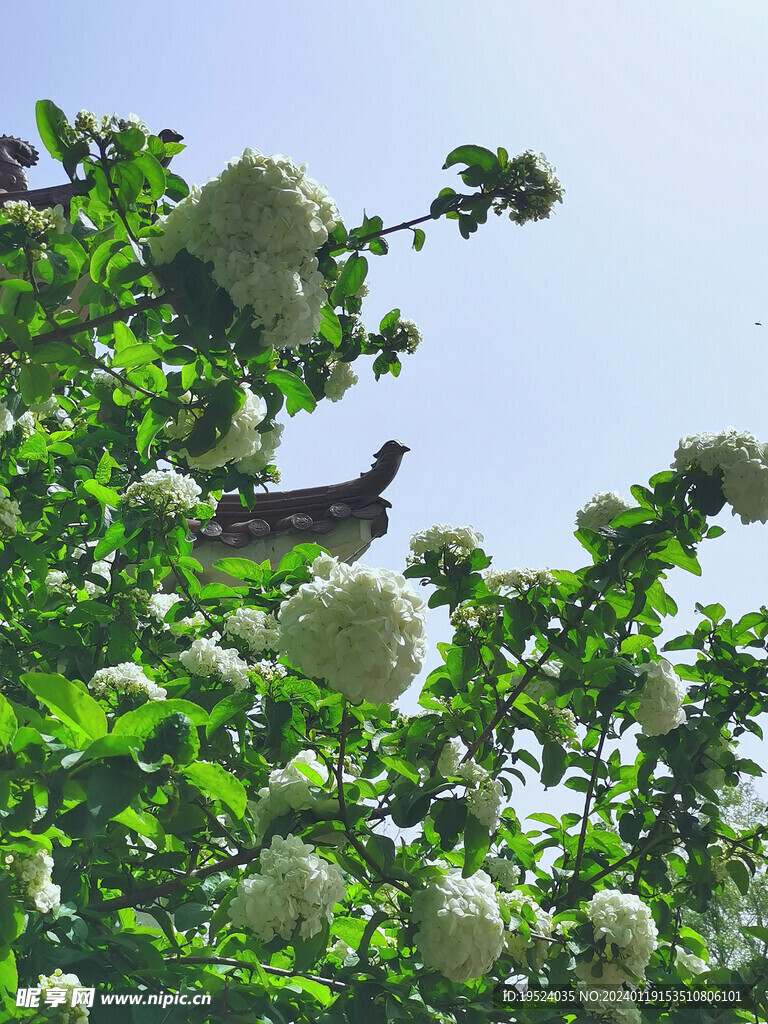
(413,334)
(6,419)
(35,873)
(485,800)
(260,223)
(165,491)
(600,510)
(460,933)
(341,378)
(741,458)
(160,604)
(257,629)
(26,424)
(450,757)
(288,789)
(270,671)
(660,709)
(127,678)
(519,580)
(710,452)
(241,441)
(689,962)
(264,455)
(57,989)
(517,941)
(295,885)
(361,629)
(627,925)
(10,515)
(206,658)
(502,871)
(102,569)
(461,540)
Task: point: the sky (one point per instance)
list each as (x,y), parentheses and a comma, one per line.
(559,359)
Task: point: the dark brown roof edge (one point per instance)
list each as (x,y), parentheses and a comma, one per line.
(317,510)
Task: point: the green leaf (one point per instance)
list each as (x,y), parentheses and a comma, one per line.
(554,762)
(34,449)
(472,155)
(143,720)
(477,842)
(137,355)
(227,709)
(104,495)
(756,931)
(240,569)
(149,428)
(330,328)
(674,553)
(351,277)
(213,781)
(52,125)
(8,722)
(419,237)
(154,174)
(737,869)
(102,256)
(15,284)
(297,394)
(34,383)
(111,541)
(67,702)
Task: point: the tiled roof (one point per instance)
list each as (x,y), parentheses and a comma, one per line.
(310,510)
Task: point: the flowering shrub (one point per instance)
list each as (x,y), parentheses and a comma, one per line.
(216,772)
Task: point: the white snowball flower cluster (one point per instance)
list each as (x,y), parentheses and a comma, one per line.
(6,419)
(102,569)
(461,932)
(61,989)
(461,540)
(10,516)
(601,509)
(660,709)
(257,629)
(517,942)
(241,441)
(165,491)
(295,885)
(362,630)
(743,461)
(206,658)
(690,962)
(627,925)
(412,332)
(35,874)
(127,678)
(288,789)
(485,795)
(341,378)
(260,223)
(519,580)
(502,871)
(264,455)
(26,424)
(160,604)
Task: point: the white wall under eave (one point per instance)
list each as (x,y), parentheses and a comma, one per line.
(348,541)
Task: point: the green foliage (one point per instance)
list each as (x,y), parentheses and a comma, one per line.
(149,790)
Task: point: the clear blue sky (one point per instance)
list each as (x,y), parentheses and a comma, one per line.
(559,359)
